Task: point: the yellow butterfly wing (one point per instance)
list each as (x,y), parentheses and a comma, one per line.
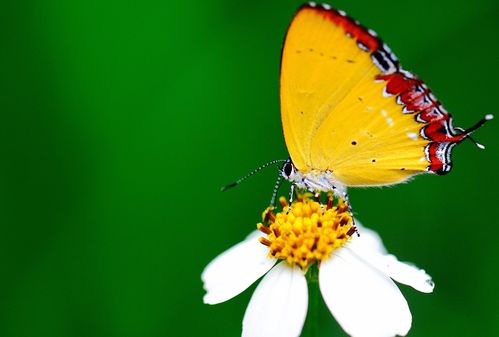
(349,108)
(314,60)
(367,140)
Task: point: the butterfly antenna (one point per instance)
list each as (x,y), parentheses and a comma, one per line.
(470,130)
(258,169)
(479,145)
(276,189)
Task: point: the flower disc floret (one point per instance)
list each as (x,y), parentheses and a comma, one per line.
(307,232)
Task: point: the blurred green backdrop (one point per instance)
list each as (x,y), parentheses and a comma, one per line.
(121,120)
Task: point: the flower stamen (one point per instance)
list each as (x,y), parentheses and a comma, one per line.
(309,232)
(265,242)
(264,229)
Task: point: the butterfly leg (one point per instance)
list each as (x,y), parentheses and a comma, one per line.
(291,195)
(345,198)
(309,186)
(276,189)
(317,194)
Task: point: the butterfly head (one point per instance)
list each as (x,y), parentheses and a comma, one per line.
(288,170)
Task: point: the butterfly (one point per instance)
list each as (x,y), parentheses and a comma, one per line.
(351,115)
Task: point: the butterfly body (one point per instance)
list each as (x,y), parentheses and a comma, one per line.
(351,115)
(313,180)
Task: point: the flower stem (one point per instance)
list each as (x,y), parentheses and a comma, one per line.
(311,328)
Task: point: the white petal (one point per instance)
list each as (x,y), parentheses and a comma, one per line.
(279,305)
(236,269)
(364,301)
(402,272)
(368,240)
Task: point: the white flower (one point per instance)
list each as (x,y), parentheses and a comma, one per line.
(355,279)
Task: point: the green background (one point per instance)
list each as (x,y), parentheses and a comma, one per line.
(121,120)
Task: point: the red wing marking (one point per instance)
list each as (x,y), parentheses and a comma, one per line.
(409,91)
(416,98)
(354,29)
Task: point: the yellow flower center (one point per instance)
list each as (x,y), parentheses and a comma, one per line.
(308,232)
